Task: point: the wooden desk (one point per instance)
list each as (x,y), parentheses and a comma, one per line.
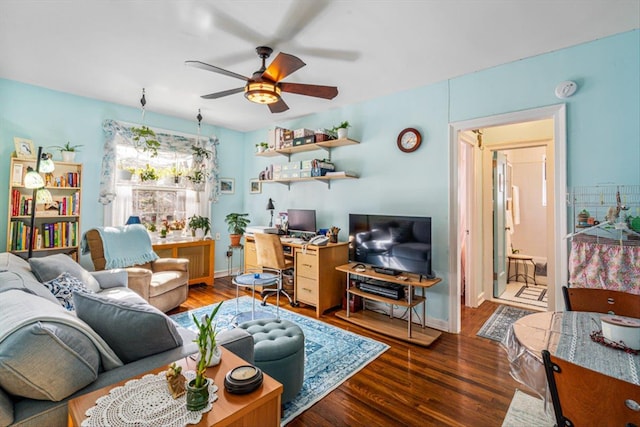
(317,282)
(388,325)
(200,254)
(260,407)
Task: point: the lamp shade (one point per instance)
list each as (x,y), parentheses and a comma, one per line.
(46,164)
(32,179)
(44,197)
(133,220)
(270,206)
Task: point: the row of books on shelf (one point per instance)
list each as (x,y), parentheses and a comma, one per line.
(51,235)
(67,205)
(70,179)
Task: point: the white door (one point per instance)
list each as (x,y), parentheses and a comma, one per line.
(499,236)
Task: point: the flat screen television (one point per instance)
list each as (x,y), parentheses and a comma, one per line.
(301,221)
(400,243)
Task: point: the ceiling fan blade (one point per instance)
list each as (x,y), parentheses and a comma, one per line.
(223,93)
(236,27)
(299,15)
(278,107)
(338,54)
(282,66)
(215,69)
(326,92)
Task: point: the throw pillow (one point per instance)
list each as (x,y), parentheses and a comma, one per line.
(62,288)
(50,267)
(133,331)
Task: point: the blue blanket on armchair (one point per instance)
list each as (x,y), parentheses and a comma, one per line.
(124,246)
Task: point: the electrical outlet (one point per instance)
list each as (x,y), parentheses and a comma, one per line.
(217,236)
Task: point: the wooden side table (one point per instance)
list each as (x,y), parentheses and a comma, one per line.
(260,407)
(521,259)
(199,252)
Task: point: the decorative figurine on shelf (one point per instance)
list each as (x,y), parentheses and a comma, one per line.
(175,380)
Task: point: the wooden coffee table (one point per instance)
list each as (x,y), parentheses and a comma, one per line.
(260,407)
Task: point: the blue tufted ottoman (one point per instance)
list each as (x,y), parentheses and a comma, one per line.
(279,351)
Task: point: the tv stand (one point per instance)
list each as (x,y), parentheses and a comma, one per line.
(385,324)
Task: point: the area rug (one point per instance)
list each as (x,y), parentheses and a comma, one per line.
(332,355)
(532,295)
(526,411)
(496,327)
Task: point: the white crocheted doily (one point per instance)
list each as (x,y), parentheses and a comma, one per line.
(146,402)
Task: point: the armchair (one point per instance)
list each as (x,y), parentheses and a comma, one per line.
(163,282)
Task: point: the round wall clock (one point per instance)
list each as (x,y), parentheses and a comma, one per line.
(409,140)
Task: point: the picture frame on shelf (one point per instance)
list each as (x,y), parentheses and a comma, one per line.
(16,174)
(24,148)
(227,186)
(255,186)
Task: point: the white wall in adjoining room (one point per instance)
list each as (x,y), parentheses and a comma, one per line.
(527,176)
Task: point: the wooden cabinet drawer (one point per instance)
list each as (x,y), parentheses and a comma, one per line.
(250,256)
(307,264)
(307,290)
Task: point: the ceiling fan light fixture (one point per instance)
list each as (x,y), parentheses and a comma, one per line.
(262,92)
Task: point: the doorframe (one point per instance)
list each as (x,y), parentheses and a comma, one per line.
(558,114)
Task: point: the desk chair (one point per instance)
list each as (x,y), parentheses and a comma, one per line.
(601,301)
(270,256)
(582,397)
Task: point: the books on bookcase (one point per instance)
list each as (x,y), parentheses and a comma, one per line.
(56,225)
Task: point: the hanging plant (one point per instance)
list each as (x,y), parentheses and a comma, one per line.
(146,137)
(200,153)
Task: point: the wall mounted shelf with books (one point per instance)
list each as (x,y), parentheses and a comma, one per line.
(323,145)
(57,225)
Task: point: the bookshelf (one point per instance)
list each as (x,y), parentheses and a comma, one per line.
(57,225)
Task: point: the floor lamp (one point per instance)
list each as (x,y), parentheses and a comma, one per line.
(33,180)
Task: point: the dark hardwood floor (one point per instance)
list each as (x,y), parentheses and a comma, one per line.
(461,380)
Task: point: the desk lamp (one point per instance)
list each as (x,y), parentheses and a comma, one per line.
(270,207)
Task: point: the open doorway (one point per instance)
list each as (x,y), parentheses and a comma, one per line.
(471,256)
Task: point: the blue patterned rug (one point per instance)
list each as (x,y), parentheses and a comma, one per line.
(496,327)
(332,355)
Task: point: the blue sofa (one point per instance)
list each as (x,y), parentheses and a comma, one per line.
(49,355)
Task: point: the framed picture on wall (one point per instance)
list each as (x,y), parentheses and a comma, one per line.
(227,185)
(24,148)
(255,186)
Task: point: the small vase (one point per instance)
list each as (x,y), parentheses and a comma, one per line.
(197,397)
(199,233)
(215,353)
(343,133)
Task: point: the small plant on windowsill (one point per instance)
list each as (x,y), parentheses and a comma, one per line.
(148,174)
(198,222)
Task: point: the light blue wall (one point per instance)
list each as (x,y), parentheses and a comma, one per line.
(603,132)
(50,118)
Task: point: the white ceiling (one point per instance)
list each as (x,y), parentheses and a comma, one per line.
(111,49)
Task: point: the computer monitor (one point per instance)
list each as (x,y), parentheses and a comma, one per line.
(301,220)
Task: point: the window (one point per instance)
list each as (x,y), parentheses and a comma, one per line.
(165,184)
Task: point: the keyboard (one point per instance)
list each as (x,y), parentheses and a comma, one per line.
(294,240)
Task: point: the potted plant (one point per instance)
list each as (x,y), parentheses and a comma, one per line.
(145,135)
(148,174)
(237,223)
(200,153)
(197,178)
(341,130)
(261,147)
(208,355)
(67,151)
(199,225)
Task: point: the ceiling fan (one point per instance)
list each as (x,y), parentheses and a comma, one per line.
(265,85)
